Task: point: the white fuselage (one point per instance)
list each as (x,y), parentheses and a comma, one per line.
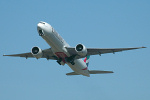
(58,46)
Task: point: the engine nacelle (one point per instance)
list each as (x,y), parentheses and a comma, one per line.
(81,50)
(37,52)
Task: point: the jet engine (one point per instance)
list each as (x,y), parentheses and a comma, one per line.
(37,52)
(81,50)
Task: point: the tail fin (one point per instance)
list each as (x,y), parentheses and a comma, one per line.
(86,60)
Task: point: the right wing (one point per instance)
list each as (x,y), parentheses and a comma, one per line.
(47,53)
(96,51)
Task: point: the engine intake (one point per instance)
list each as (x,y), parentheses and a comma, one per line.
(81,50)
(37,52)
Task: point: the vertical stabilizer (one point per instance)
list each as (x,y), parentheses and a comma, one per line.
(86,60)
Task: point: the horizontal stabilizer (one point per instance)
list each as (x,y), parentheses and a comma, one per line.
(72,73)
(99,72)
(92,72)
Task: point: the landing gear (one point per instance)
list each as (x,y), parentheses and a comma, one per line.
(70,60)
(62,61)
(59,61)
(72,63)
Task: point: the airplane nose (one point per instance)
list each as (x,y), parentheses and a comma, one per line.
(43,28)
(40,29)
(39,25)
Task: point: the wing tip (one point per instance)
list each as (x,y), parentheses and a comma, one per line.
(143,47)
(111,72)
(6,55)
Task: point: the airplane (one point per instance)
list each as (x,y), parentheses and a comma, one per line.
(63,53)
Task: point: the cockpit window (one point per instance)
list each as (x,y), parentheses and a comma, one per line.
(42,22)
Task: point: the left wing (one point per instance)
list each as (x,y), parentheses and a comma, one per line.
(96,51)
(47,53)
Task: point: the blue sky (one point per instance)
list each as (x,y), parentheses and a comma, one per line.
(100,24)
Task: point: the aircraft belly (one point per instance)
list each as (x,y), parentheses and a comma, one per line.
(56,44)
(52,41)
